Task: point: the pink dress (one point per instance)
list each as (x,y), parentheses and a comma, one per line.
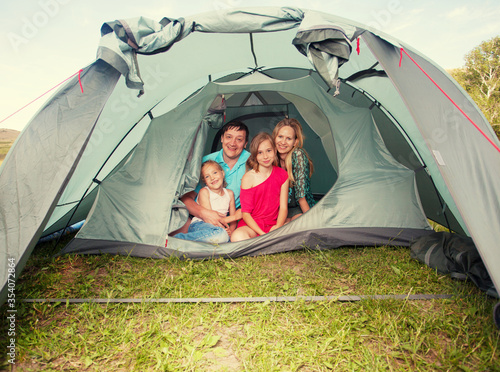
(263,201)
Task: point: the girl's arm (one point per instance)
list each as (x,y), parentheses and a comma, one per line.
(246,183)
(204,199)
(247,217)
(233,218)
(304,206)
(207,215)
(283,212)
(300,169)
(232,212)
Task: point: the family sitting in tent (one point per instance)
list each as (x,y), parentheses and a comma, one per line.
(262,189)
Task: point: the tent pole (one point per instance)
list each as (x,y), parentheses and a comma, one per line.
(443,205)
(253,51)
(72,214)
(387,113)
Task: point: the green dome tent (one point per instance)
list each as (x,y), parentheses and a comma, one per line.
(393,138)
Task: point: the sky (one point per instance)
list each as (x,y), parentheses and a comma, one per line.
(45,42)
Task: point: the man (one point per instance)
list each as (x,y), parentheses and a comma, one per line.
(232,158)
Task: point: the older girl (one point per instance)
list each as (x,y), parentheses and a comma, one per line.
(264,191)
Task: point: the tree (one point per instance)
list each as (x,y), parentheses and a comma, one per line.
(481,79)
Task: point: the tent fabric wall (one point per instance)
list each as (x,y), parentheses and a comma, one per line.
(147,37)
(400,138)
(470,175)
(149,182)
(43,159)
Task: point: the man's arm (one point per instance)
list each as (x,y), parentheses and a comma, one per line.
(207,215)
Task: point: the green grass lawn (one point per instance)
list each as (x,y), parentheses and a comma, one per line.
(456,334)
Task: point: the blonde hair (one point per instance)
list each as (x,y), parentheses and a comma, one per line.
(215,164)
(254,150)
(299,135)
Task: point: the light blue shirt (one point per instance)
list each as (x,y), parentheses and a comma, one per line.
(232,176)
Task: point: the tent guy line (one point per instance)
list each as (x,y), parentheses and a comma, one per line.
(353,298)
(447,96)
(79,72)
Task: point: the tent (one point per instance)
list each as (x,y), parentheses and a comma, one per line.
(395,141)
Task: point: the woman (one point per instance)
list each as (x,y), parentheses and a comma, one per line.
(289,139)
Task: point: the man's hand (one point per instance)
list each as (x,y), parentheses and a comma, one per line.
(213,217)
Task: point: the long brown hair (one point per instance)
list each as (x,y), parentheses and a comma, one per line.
(254,149)
(299,135)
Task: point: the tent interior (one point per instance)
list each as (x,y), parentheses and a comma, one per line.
(363,190)
(263,110)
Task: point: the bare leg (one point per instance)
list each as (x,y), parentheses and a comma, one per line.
(242,233)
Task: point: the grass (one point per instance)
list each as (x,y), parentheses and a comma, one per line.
(5,146)
(4,149)
(455,334)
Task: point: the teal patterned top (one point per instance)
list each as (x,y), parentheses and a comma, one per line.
(302,186)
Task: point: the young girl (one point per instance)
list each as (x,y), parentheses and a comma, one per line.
(216,197)
(264,191)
